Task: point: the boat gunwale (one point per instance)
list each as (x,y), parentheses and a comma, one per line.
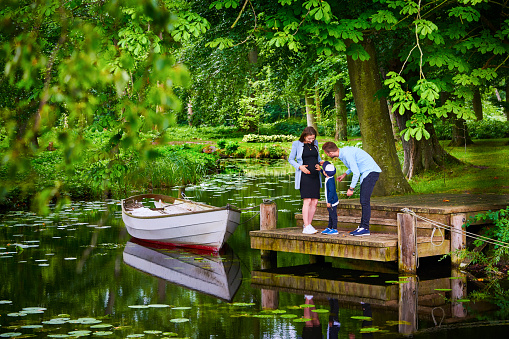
(166,198)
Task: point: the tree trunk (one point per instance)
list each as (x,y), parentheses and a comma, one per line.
(317,101)
(394,122)
(310,113)
(477,104)
(190,113)
(460,135)
(340,105)
(375,123)
(421,155)
(506,108)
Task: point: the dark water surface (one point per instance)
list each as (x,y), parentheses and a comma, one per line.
(77,273)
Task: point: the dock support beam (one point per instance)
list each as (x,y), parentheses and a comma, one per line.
(458,237)
(407,244)
(268,221)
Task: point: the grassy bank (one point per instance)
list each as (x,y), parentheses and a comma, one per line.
(485,170)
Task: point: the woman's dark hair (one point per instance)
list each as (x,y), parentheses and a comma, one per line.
(307,131)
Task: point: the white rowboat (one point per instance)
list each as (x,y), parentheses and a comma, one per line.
(179,222)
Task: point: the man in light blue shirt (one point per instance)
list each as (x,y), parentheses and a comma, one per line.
(362,165)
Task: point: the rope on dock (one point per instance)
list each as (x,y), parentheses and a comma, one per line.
(441,226)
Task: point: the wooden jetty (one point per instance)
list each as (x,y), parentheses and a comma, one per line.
(395,236)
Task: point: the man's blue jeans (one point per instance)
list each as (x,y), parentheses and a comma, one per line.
(367,186)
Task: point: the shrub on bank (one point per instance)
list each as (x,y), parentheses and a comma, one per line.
(267,138)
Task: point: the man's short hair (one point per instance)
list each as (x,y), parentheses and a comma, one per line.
(329,146)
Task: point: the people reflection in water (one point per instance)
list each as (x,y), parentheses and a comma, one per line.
(334,325)
(312,328)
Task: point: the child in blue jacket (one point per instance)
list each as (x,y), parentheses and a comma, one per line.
(331,197)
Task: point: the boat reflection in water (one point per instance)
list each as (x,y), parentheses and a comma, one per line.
(217,275)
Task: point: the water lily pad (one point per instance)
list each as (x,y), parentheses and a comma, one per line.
(159,305)
(43,265)
(320,310)
(58,335)
(394,323)
(181,308)
(102,333)
(55,322)
(31,326)
(306,305)
(101,326)
(262,316)
(82,333)
(70,258)
(462,300)
(179,320)
(301,320)
(136,335)
(88,321)
(10,334)
(288,316)
(33,311)
(369,329)
(243,304)
(17,314)
(153,332)
(5,302)
(278,311)
(28,309)
(170,334)
(443,289)
(361,317)
(138,306)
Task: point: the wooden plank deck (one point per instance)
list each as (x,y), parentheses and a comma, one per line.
(382,245)
(376,247)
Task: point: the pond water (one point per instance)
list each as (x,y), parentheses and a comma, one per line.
(78,273)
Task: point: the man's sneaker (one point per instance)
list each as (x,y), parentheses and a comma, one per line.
(327,230)
(360,231)
(309,230)
(332,231)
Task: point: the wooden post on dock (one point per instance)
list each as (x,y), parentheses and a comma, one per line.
(268,221)
(458,237)
(407,245)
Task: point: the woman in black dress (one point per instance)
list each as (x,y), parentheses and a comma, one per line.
(304,157)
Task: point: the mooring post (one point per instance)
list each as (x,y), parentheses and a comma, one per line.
(268,221)
(408,295)
(407,244)
(458,237)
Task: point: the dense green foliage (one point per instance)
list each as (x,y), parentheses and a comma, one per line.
(483,129)
(167,166)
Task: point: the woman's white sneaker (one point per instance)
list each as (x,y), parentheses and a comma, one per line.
(309,230)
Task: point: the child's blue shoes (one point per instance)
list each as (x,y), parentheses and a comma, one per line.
(329,231)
